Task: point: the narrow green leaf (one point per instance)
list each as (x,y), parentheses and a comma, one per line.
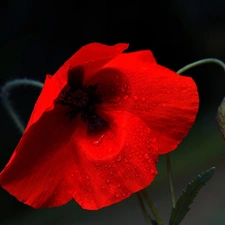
(182,206)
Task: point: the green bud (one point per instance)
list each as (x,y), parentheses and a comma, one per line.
(221,117)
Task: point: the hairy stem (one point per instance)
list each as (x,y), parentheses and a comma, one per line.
(172,193)
(5,93)
(201,62)
(152,207)
(143,209)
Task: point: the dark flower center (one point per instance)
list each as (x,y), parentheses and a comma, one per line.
(82,99)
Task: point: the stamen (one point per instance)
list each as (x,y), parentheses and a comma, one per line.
(82,99)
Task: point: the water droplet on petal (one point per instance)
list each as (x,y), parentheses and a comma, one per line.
(125,97)
(152,171)
(123,88)
(119,158)
(99,141)
(146,156)
(115,99)
(135,98)
(153,139)
(143,99)
(107,181)
(117,195)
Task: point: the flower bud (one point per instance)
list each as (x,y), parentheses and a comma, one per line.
(221,117)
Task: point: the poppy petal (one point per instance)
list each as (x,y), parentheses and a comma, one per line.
(92,57)
(112,165)
(166,101)
(35,172)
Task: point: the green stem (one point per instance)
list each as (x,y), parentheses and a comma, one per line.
(143,209)
(201,62)
(182,70)
(152,207)
(6,102)
(172,193)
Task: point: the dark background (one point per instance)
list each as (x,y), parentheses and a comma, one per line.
(38,36)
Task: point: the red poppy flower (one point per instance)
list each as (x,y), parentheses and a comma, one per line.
(98,127)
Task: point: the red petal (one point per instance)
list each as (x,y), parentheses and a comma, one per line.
(92,57)
(112,165)
(35,172)
(166,101)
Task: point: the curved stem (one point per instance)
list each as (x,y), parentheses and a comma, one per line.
(152,207)
(183,69)
(143,209)
(5,92)
(201,62)
(172,193)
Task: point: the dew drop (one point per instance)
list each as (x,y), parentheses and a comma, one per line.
(107,181)
(117,195)
(125,97)
(115,99)
(118,159)
(143,99)
(99,141)
(148,130)
(123,88)
(152,171)
(146,156)
(135,98)
(153,140)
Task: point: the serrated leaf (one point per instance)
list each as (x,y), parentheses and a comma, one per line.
(187,197)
